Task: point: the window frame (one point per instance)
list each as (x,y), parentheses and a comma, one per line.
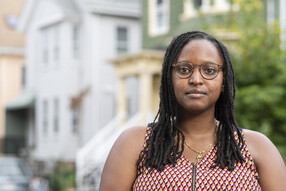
(56,115)
(75,120)
(157,27)
(76,42)
(122,46)
(51,43)
(207,7)
(45,117)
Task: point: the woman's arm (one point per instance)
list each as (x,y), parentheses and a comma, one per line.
(120,168)
(269,163)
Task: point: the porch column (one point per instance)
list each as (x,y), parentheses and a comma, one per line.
(121,103)
(145,98)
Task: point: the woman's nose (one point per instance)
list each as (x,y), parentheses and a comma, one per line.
(196,77)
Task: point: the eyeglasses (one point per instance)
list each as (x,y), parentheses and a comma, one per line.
(208,71)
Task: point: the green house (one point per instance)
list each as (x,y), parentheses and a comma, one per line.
(163,19)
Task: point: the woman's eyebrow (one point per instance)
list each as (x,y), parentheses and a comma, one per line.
(204,62)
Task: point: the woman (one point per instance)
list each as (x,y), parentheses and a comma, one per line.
(194,142)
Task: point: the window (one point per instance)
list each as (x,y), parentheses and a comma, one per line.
(197,3)
(75,120)
(160,13)
(75,42)
(160,16)
(122,40)
(270,11)
(45,41)
(159,10)
(56,115)
(56,43)
(51,44)
(45,116)
(191,8)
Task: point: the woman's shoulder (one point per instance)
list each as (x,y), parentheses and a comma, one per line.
(129,144)
(136,133)
(132,140)
(258,144)
(254,137)
(120,168)
(257,140)
(267,159)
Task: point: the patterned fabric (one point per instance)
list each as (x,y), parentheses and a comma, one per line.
(180,177)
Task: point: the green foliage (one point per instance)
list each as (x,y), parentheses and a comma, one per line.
(259,64)
(260,68)
(62,177)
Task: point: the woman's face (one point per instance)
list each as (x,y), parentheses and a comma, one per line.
(197,94)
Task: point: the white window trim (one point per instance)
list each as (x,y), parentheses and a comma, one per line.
(219,7)
(282,19)
(152,28)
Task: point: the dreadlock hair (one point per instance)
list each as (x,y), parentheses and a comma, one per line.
(162,148)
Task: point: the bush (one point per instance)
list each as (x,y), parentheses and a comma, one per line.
(62,177)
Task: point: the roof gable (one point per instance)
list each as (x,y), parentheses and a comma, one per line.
(129,8)
(45,12)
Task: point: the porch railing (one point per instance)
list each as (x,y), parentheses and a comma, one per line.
(91,158)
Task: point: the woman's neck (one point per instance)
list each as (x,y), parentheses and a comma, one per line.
(197,125)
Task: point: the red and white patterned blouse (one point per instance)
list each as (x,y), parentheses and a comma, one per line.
(188,176)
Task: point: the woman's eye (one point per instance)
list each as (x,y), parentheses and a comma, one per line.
(184,70)
(210,70)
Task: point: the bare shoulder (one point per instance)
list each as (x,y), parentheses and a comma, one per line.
(268,161)
(258,144)
(131,139)
(255,141)
(129,142)
(134,134)
(120,168)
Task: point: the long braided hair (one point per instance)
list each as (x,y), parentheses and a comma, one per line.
(162,148)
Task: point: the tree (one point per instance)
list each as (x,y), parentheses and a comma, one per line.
(260,68)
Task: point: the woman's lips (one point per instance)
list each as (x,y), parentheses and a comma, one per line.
(195,94)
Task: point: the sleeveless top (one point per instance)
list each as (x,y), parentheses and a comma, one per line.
(186,175)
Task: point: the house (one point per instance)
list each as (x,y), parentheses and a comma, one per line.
(68,47)
(163,19)
(12,69)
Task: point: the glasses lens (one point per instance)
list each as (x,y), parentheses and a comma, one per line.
(184,69)
(209,71)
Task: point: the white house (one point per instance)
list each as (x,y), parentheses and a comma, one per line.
(69,44)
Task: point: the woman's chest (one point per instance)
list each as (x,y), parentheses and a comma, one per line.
(187,176)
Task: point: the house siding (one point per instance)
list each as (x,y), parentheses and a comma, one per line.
(178,25)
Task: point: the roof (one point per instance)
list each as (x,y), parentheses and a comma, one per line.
(125,8)
(131,8)
(22,101)
(68,8)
